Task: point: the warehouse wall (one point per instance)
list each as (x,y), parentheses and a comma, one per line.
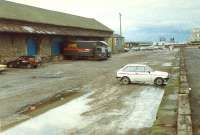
(14,45)
(11,46)
(44,48)
(19,43)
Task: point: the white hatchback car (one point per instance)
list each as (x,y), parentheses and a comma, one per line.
(138,73)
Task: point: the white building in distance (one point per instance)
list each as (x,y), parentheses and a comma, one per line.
(195,35)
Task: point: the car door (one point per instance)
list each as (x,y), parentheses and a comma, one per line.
(149,77)
(23,61)
(18,62)
(129,71)
(141,76)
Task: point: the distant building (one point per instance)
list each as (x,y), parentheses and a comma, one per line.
(195,37)
(131,44)
(147,43)
(160,43)
(116,43)
(172,40)
(162,39)
(138,44)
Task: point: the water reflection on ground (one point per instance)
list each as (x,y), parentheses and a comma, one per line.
(55,121)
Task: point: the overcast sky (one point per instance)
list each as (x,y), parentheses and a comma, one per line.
(141,19)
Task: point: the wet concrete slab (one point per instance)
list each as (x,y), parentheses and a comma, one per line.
(140,112)
(29,111)
(55,121)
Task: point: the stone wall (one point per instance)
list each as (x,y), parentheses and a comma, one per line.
(14,45)
(45,46)
(11,46)
(19,42)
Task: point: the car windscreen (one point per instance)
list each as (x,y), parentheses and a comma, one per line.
(86,44)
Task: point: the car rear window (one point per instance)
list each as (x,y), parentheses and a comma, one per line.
(129,69)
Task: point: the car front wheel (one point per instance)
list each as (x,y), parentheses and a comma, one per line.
(10,65)
(159,81)
(125,80)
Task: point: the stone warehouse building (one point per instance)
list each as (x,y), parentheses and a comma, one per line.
(26,30)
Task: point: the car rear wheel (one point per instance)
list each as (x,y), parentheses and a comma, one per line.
(159,81)
(125,80)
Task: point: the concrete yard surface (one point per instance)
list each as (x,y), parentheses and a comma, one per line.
(104,105)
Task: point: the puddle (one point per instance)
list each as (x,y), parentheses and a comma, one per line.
(169,64)
(144,109)
(139,112)
(56,121)
(176,67)
(50,75)
(172,97)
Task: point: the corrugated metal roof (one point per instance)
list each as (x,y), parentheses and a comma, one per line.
(14,11)
(5,26)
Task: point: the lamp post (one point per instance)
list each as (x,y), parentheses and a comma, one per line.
(120,23)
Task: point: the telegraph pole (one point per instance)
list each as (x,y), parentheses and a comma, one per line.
(120,23)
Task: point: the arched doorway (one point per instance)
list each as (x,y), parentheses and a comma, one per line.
(31,47)
(56,47)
